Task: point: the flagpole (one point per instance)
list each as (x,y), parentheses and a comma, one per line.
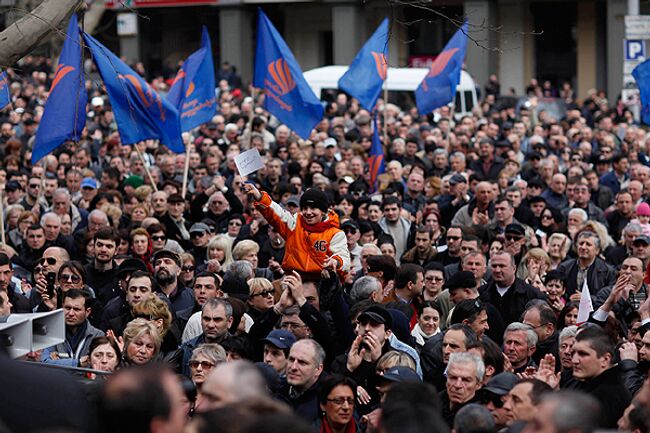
(146,168)
(250,122)
(2,219)
(385,110)
(186,171)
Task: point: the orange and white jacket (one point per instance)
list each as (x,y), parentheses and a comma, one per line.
(307,247)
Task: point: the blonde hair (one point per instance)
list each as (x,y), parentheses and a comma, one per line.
(395,358)
(136,328)
(155,308)
(566,242)
(143,193)
(536,254)
(224,243)
(257,285)
(244,248)
(114,213)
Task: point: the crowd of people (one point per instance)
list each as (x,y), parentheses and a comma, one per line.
(449,296)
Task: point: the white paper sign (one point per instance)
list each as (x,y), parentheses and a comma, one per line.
(248,162)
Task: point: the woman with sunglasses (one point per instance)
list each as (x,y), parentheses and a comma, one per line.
(261,297)
(204,358)
(188,269)
(71,275)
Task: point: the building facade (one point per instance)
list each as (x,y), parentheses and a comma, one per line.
(575,41)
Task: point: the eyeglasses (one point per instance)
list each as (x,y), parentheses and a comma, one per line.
(206,365)
(339,401)
(291,325)
(235,223)
(547,217)
(436,279)
(514,238)
(453,238)
(49,260)
(350,231)
(159,238)
(196,235)
(187,268)
(264,294)
(70,278)
(34,185)
(38,270)
(217,202)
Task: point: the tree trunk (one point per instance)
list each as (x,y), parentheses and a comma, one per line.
(21,37)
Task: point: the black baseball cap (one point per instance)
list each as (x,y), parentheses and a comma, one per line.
(376,314)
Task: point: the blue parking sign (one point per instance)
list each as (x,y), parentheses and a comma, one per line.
(634,49)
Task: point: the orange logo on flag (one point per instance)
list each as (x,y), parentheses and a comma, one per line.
(381,63)
(61,71)
(440,63)
(280,73)
(146,94)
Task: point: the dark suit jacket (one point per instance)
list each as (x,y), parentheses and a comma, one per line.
(513,303)
(599,275)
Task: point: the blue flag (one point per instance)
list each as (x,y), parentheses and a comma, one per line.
(5,96)
(367,72)
(192,92)
(288,96)
(642,76)
(439,86)
(376,157)
(64,117)
(139,111)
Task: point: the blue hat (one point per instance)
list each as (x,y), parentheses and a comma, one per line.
(401,374)
(280,338)
(89,182)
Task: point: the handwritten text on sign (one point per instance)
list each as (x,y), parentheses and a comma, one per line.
(248,162)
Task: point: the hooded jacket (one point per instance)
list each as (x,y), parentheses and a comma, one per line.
(307,247)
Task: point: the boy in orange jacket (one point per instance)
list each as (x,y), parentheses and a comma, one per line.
(314,241)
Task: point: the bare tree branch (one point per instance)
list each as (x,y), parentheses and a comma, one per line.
(21,37)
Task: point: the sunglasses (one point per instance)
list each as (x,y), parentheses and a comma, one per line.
(235,223)
(159,238)
(453,238)
(49,260)
(206,365)
(70,278)
(264,294)
(187,268)
(514,238)
(196,235)
(350,231)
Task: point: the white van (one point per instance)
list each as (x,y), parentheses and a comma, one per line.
(401,83)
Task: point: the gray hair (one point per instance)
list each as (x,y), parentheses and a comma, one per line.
(466,358)
(319,352)
(440,151)
(49,215)
(214,352)
(364,287)
(473,418)
(573,411)
(98,212)
(215,303)
(459,155)
(589,234)
(568,332)
(631,227)
(531,335)
(241,269)
(371,247)
(63,192)
(579,212)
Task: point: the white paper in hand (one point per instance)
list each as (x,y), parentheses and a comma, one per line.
(586,306)
(248,162)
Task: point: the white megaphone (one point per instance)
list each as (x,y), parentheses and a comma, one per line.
(45,329)
(16,336)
